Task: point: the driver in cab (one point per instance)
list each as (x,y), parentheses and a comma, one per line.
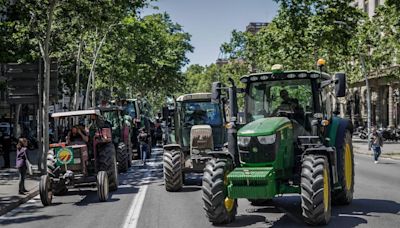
(77,137)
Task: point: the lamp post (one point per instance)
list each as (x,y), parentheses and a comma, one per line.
(364,72)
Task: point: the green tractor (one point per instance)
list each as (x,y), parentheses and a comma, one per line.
(287,141)
(197,129)
(121,135)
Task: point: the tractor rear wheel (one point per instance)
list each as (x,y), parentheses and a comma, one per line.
(344,196)
(107,162)
(315,190)
(45,190)
(220,209)
(172,162)
(122,157)
(102,186)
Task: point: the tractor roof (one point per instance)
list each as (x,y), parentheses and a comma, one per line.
(110,108)
(194,96)
(76,113)
(285,75)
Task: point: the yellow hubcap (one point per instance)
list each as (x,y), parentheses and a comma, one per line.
(348,171)
(326,190)
(229,204)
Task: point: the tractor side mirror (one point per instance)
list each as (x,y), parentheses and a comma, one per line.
(216,92)
(340,84)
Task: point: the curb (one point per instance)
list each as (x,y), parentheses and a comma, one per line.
(34,192)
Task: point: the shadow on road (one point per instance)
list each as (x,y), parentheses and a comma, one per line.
(27,219)
(345,216)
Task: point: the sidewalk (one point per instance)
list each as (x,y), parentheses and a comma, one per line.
(9,180)
(389,149)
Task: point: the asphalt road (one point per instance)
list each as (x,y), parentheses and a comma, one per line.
(142,201)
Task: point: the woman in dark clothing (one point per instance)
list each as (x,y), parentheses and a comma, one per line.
(21,164)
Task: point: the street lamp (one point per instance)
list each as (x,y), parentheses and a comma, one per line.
(364,72)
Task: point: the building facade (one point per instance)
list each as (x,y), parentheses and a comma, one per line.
(384,87)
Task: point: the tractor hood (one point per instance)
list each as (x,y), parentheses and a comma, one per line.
(264,126)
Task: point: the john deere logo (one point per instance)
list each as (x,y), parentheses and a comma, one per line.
(65,155)
(255,150)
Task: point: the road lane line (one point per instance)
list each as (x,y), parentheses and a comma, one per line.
(132,217)
(136,207)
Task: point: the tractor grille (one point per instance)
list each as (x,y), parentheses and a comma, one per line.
(201,138)
(256,152)
(76,165)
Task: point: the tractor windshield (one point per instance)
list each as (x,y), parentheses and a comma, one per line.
(195,113)
(291,98)
(129,109)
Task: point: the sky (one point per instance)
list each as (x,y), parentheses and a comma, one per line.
(210,22)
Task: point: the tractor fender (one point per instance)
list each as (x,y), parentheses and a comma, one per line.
(172,147)
(344,124)
(223,154)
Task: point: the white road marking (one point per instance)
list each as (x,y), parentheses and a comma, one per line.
(132,217)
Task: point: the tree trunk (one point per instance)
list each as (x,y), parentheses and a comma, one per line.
(92,71)
(78,70)
(44,49)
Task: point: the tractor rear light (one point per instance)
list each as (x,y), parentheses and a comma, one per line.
(267,139)
(243,141)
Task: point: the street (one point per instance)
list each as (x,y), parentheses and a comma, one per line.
(141,200)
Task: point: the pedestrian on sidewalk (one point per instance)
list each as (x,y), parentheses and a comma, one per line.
(21,163)
(376,144)
(143,141)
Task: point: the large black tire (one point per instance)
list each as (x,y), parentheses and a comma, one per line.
(45,190)
(344,196)
(219,208)
(130,152)
(122,157)
(107,162)
(52,170)
(102,186)
(172,162)
(315,190)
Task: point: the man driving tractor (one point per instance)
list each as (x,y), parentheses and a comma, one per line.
(77,137)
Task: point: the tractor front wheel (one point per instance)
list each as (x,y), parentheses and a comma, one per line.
(344,196)
(316,190)
(220,209)
(172,162)
(45,190)
(102,186)
(107,162)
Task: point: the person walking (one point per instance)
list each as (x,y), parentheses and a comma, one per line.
(376,144)
(21,163)
(143,141)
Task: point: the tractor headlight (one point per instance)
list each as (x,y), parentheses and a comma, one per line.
(243,141)
(267,139)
